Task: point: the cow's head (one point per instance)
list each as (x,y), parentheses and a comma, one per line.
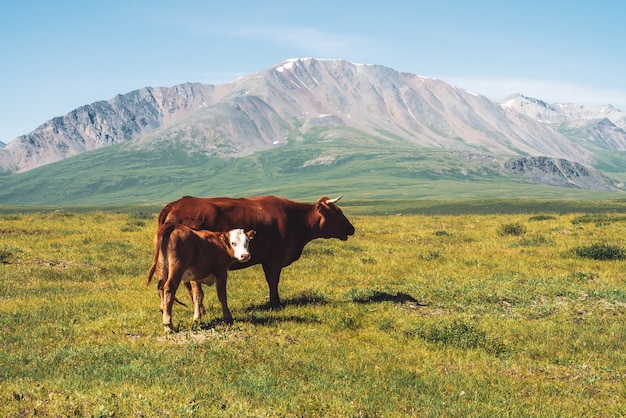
(332,221)
(239,241)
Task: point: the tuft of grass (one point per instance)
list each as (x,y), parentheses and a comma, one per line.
(5,255)
(459,334)
(541,217)
(599,219)
(9,254)
(601,251)
(535,241)
(432,255)
(515,229)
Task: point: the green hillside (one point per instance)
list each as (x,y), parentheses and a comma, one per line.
(361,168)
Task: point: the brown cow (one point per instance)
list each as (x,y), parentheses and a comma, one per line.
(182,254)
(283,227)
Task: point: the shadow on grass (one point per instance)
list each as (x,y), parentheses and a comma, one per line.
(302,299)
(257,314)
(376,296)
(267,320)
(256,320)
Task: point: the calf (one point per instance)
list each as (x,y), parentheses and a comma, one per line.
(182,254)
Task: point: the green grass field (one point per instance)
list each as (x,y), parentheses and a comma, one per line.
(517,313)
(362,168)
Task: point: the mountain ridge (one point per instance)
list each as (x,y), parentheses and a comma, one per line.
(560,112)
(426,111)
(330,101)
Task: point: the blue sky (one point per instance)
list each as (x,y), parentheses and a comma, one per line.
(59,55)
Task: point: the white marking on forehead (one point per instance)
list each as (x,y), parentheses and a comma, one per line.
(237,236)
(239,243)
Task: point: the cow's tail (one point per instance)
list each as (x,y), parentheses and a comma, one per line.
(161,235)
(163,214)
(151,273)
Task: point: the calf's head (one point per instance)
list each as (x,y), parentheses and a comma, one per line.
(238,243)
(332,221)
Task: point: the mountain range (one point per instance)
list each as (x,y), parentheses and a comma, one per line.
(307,120)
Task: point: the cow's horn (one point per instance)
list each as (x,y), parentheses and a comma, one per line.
(335,200)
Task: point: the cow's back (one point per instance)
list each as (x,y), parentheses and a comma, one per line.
(196,213)
(223,213)
(269,216)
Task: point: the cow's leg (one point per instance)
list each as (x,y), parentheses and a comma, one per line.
(272,275)
(220,286)
(197,296)
(169,292)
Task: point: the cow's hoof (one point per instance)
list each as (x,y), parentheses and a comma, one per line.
(168,329)
(275,304)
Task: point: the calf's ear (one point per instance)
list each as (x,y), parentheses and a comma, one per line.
(225,239)
(251,233)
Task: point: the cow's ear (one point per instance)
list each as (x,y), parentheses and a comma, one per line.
(225,237)
(321,203)
(251,233)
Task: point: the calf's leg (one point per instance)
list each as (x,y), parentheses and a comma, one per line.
(169,293)
(162,274)
(161,295)
(197,296)
(195,288)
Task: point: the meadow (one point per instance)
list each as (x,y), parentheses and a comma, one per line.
(440,315)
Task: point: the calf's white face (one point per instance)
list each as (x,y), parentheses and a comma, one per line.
(239,242)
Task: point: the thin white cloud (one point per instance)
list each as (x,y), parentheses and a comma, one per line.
(547,90)
(311,40)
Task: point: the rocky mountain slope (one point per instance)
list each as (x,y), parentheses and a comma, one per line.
(330,99)
(102,124)
(559,172)
(595,128)
(562,112)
